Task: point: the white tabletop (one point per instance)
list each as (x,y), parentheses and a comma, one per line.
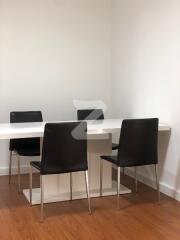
(27,130)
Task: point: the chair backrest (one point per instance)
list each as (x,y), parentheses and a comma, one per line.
(90,114)
(62,152)
(138,144)
(22,117)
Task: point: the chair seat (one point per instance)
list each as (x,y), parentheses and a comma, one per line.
(33,151)
(125,163)
(54,169)
(115,146)
(112,159)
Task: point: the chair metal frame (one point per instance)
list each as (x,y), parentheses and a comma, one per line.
(119,181)
(18,165)
(42,191)
(18,169)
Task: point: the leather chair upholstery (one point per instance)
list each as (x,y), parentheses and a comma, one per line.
(61,152)
(64,151)
(138,146)
(25,146)
(90,114)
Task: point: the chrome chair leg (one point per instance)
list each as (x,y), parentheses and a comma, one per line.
(10,166)
(101,176)
(86,184)
(157,181)
(88,160)
(71,186)
(136,180)
(118,185)
(88,192)
(30,185)
(19,177)
(42,197)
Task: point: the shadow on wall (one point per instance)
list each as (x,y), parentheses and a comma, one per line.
(163,144)
(177,184)
(174,191)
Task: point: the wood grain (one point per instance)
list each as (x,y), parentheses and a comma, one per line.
(139,217)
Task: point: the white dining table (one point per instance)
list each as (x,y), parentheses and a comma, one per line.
(57,187)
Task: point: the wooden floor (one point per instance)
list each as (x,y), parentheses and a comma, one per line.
(139,217)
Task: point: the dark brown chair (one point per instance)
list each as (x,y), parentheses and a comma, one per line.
(28,147)
(62,152)
(138,146)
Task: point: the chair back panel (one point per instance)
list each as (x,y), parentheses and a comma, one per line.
(23,117)
(62,152)
(90,114)
(138,143)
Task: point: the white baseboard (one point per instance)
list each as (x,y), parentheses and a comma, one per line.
(164,188)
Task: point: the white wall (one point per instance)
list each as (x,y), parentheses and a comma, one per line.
(51,52)
(146,74)
(54,51)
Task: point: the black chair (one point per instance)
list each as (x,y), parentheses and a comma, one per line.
(93,114)
(138,146)
(64,151)
(27,146)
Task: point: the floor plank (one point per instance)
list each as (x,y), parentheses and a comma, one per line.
(140,216)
